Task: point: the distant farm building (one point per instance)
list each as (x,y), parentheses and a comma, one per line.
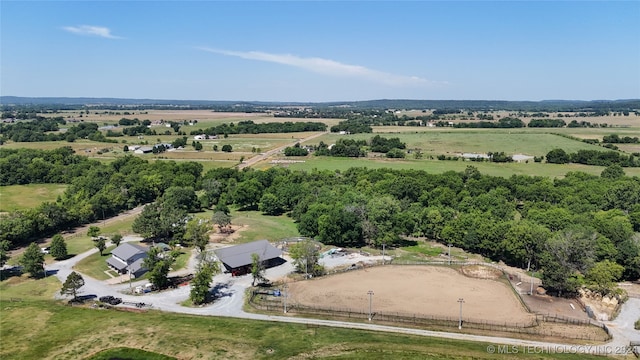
(237,259)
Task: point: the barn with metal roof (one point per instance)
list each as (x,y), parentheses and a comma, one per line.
(237,259)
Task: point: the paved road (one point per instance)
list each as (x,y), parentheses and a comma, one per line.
(256,159)
(230,300)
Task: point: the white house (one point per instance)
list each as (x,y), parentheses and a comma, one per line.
(128,258)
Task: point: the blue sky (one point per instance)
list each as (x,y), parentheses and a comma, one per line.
(321,51)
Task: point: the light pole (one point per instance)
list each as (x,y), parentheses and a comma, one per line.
(129,271)
(370,293)
(533,273)
(450,254)
(383,246)
(461,301)
(286,293)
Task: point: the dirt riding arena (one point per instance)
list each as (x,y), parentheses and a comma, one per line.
(419,290)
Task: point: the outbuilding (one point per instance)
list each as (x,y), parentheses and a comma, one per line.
(238,259)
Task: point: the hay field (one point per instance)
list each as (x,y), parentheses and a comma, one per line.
(420,290)
(20,197)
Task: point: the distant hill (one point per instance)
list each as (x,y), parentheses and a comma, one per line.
(476,105)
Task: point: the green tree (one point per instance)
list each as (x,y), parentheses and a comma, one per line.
(270,204)
(602,277)
(196,233)
(614,171)
(32,261)
(227,148)
(305,255)
(93,231)
(248,193)
(58,247)
(257,269)
(101,244)
(4,252)
(566,257)
(557,156)
(159,263)
(116,239)
(221,219)
(198,146)
(73,283)
(201,284)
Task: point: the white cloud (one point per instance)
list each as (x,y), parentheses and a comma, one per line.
(325,66)
(91,31)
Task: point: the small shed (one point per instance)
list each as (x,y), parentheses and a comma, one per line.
(237,259)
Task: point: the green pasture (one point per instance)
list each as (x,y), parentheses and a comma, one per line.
(257,226)
(45,329)
(463,141)
(440,166)
(23,287)
(20,197)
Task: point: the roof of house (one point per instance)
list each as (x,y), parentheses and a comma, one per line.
(127,251)
(118,264)
(240,255)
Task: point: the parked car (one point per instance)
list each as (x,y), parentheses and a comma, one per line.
(45,250)
(111,300)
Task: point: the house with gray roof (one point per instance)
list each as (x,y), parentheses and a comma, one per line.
(237,259)
(128,257)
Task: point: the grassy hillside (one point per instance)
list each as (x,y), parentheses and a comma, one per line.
(46,330)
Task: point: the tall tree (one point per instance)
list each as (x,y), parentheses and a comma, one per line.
(200,286)
(257,269)
(101,244)
(58,247)
(73,283)
(93,231)
(305,255)
(4,252)
(196,233)
(159,263)
(32,261)
(116,239)
(221,219)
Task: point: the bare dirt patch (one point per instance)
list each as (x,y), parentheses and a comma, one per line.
(421,290)
(481,272)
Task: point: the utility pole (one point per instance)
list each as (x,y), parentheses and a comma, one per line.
(286,293)
(461,301)
(383,246)
(370,293)
(450,254)
(532,277)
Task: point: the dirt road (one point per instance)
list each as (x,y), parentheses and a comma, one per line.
(256,159)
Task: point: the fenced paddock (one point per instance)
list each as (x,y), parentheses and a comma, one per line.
(427,297)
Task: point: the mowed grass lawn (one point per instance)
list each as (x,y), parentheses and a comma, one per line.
(258,226)
(20,197)
(47,330)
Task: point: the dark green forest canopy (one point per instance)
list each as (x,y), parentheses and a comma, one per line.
(566,227)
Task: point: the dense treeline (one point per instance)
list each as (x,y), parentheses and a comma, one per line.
(546,123)
(47,130)
(25,166)
(249,127)
(95,191)
(504,123)
(616,139)
(592,157)
(521,220)
(569,228)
